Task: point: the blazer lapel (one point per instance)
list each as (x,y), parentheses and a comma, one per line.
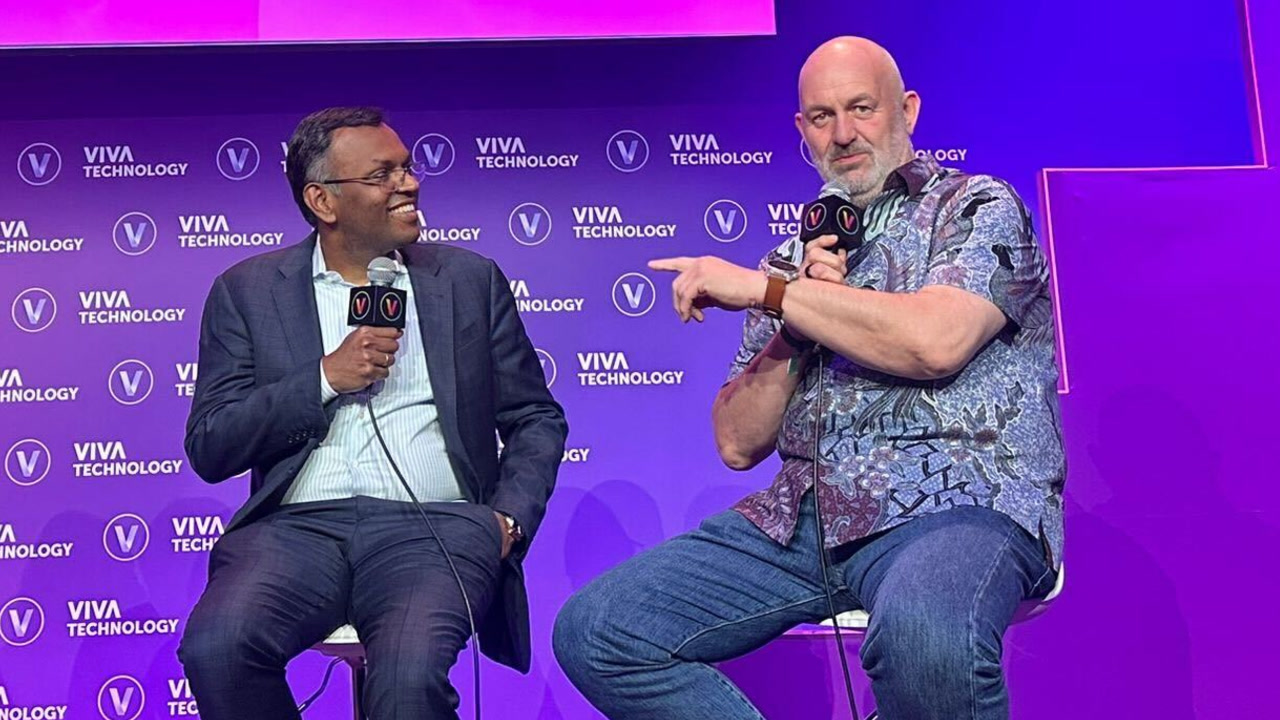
(295,300)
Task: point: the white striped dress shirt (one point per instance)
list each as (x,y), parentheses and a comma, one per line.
(349,461)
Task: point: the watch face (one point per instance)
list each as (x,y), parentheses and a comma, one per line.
(513,528)
(782,268)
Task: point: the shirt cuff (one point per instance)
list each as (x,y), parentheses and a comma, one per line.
(327,392)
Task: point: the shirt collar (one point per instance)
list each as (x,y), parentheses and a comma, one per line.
(914,175)
(320,269)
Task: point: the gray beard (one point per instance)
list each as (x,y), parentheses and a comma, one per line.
(866,190)
(862,192)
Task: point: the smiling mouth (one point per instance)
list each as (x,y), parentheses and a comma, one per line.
(405,209)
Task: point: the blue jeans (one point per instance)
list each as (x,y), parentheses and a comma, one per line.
(640,640)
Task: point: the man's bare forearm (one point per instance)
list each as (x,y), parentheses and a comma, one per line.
(748,411)
(923,335)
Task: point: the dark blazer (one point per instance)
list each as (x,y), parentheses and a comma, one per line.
(257,399)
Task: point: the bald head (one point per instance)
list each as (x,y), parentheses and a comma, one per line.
(856,115)
(837,58)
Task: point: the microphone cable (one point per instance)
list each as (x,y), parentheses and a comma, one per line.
(466,601)
(305,705)
(822,539)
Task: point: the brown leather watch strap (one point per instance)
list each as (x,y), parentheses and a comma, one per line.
(773,293)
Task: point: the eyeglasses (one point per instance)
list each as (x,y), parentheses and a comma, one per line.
(388,179)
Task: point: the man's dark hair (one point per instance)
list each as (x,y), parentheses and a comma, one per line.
(309,147)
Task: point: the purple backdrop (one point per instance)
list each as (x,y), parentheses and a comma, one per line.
(152,22)
(1164,289)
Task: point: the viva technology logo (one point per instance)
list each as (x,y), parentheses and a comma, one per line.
(34,309)
(134,233)
(813,219)
(39,164)
(391,307)
(121,698)
(436,152)
(627,151)
(238,159)
(633,294)
(21,621)
(130,382)
(847,219)
(126,537)
(360,305)
(548,364)
(529,224)
(27,462)
(806,154)
(725,220)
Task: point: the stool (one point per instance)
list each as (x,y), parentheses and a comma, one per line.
(344,644)
(856,620)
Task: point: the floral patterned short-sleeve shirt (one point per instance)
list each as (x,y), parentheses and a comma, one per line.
(892,449)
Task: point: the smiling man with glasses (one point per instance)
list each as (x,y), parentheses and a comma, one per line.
(329,536)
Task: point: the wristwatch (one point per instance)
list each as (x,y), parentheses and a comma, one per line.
(779,273)
(514,531)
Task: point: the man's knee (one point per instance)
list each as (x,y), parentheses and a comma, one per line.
(916,644)
(409,675)
(592,632)
(422,670)
(571,638)
(213,646)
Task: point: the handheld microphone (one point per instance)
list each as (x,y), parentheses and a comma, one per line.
(378,304)
(833,214)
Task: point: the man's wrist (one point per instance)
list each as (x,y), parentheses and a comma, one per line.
(327,392)
(512,527)
(778,274)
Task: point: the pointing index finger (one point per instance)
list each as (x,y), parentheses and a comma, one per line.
(676,264)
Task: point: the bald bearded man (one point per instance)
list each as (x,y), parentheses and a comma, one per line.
(939,462)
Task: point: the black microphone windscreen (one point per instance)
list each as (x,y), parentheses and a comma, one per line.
(832,215)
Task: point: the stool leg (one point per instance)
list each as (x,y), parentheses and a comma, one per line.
(358,677)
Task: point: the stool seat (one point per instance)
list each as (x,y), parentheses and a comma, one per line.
(342,643)
(858,619)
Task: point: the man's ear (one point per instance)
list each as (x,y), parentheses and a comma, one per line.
(911,109)
(321,202)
